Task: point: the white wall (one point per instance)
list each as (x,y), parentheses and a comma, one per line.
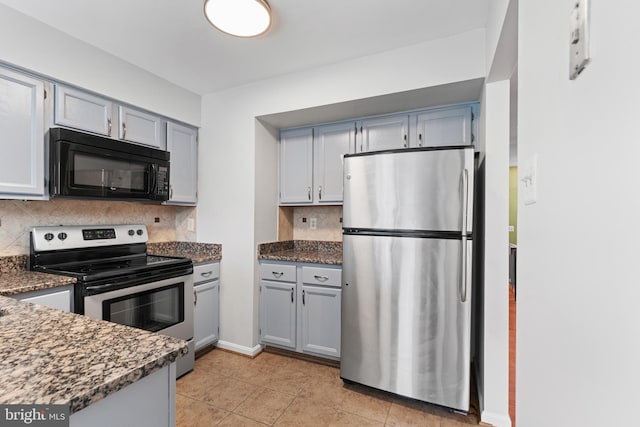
(32,45)
(228,200)
(494,348)
(578,315)
(495,20)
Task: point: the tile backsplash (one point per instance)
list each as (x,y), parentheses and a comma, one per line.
(329,225)
(18,216)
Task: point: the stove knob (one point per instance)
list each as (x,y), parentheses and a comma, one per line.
(131,232)
(48,237)
(62,236)
(139,231)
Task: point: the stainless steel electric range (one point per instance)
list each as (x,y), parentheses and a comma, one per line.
(118,281)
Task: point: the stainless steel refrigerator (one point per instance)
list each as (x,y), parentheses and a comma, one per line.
(406,273)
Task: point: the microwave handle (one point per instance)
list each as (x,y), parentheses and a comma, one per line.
(153,179)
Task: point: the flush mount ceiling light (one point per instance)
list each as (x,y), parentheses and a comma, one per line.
(240,18)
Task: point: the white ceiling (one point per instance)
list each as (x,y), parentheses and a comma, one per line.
(172,39)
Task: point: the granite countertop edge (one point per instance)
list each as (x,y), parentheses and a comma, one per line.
(65,372)
(199,253)
(303,251)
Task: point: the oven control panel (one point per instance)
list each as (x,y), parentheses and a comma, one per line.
(86,236)
(98,233)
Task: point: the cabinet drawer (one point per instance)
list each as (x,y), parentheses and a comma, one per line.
(278,272)
(204,272)
(322,276)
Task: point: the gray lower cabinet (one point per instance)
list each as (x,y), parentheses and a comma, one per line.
(278,313)
(206,289)
(321,320)
(300,307)
(60,298)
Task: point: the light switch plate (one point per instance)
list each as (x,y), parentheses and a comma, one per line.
(313,223)
(578,38)
(529,180)
(191,225)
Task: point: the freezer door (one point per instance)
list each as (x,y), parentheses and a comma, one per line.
(405,327)
(409,190)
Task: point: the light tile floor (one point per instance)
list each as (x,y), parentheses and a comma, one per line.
(228,389)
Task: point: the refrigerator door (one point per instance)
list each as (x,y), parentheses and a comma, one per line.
(413,189)
(405,327)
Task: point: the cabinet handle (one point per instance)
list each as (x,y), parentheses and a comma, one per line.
(206,273)
(309,192)
(321,278)
(171,192)
(277,274)
(405,140)
(292,295)
(124,130)
(303,303)
(195,298)
(320,192)
(109,126)
(419,140)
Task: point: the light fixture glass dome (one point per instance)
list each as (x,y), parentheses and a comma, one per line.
(241,18)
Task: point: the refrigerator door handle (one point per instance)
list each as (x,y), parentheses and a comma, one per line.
(465,197)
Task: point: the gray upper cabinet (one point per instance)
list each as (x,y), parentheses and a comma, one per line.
(451,126)
(80,110)
(383,133)
(22,130)
(296,166)
(141,127)
(331,143)
(182,143)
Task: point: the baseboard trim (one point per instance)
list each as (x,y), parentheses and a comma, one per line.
(236,348)
(495,419)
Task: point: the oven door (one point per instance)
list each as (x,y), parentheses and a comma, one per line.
(164,306)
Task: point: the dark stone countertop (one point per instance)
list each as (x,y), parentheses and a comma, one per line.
(311,251)
(16,279)
(54,357)
(198,252)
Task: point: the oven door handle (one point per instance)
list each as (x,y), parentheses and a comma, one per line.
(106,286)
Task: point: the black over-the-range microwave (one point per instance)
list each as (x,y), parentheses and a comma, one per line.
(93,167)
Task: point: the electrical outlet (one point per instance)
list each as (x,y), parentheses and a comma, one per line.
(313,223)
(191,224)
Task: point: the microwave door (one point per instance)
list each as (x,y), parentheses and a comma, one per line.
(92,174)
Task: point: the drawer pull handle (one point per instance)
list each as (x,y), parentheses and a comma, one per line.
(206,273)
(277,274)
(321,278)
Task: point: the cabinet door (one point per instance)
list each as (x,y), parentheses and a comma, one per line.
(206,313)
(22,130)
(182,143)
(57,298)
(80,110)
(278,313)
(321,320)
(138,126)
(331,143)
(383,133)
(296,166)
(444,127)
